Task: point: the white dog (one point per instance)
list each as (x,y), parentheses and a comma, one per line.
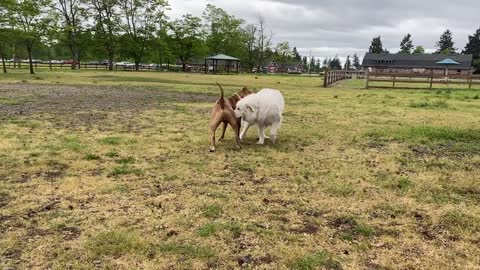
(263,109)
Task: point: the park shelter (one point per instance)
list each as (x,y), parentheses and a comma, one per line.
(222,63)
(418,63)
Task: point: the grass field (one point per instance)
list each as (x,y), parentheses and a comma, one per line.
(112,171)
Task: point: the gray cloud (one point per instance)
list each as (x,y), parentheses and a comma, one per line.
(343,27)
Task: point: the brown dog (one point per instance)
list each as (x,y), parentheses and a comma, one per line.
(223,112)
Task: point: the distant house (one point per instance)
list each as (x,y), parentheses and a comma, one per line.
(418,63)
(274,67)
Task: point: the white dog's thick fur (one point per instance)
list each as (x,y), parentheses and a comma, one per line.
(263,109)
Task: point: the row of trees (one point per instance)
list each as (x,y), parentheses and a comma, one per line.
(445,45)
(136,30)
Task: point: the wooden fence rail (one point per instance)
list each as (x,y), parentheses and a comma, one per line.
(420,78)
(333,76)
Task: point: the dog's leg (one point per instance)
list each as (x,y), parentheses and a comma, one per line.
(245,128)
(261,134)
(233,122)
(213,127)
(274,131)
(222,138)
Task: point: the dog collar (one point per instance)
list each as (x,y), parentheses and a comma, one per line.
(239,97)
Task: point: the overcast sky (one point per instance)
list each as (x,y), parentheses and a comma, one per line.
(343,27)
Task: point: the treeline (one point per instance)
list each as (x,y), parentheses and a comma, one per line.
(445,45)
(133,30)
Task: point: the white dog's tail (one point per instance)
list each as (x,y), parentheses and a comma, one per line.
(221,101)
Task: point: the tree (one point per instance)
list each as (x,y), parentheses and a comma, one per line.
(187,36)
(335,63)
(376,46)
(311,65)
(356,62)
(71,13)
(250,34)
(31,17)
(305,62)
(107,25)
(419,50)
(6,34)
(473,47)
(141,18)
(263,39)
(446,45)
(347,63)
(296,56)
(284,52)
(406,46)
(225,33)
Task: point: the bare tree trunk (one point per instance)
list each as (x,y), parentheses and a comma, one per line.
(29,50)
(111,55)
(3,64)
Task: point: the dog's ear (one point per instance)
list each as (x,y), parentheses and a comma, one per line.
(244,89)
(252,108)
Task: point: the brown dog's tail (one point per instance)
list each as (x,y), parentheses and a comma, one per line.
(221,101)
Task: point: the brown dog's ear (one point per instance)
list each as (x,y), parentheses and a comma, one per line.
(244,89)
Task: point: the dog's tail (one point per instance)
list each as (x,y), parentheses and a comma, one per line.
(221,101)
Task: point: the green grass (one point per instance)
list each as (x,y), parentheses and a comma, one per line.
(212,228)
(318,260)
(429,134)
(125,170)
(212,211)
(115,243)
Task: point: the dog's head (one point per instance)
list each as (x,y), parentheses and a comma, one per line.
(244,92)
(245,110)
(235,98)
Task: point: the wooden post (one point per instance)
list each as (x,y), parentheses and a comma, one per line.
(431,79)
(394,79)
(325,78)
(367,78)
(470,80)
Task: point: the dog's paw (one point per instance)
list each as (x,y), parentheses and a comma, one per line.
(221,139)
(259,142)
(212,149)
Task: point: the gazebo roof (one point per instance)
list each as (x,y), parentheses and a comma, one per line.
(222,57)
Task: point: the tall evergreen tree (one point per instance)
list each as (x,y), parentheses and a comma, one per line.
(376,46)
(406,46)
(473,45)
(296,55)
(347,63)
(335,63)
(304,62)
(356,62)
(446,45)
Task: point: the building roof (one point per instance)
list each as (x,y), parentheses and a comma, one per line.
(222,57)
(417,60)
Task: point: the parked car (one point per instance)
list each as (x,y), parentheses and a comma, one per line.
(93,63)
(105,62)
(69,62)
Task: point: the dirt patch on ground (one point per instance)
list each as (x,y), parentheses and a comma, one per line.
(29,99)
